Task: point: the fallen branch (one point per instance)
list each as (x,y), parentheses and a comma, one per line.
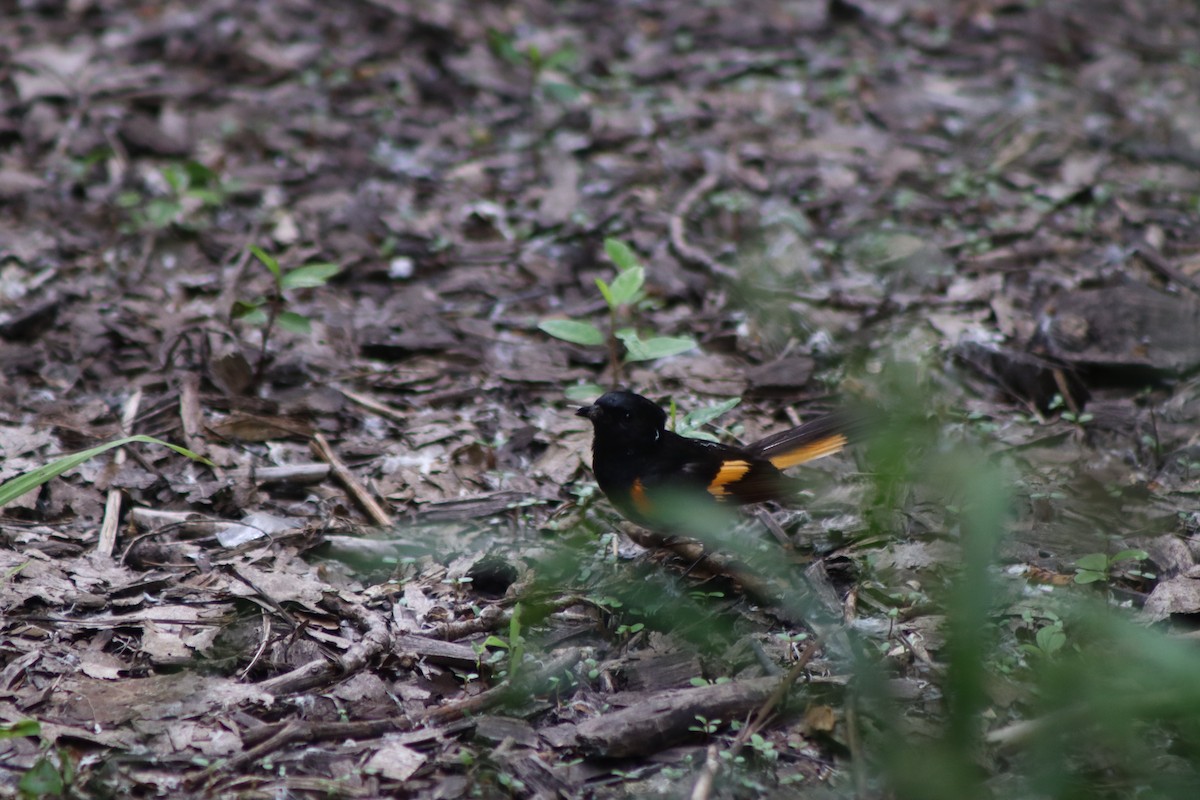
(375,511)
(376,640)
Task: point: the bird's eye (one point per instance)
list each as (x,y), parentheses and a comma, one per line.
(628,415)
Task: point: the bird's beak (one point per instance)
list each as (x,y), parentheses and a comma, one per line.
(591,412)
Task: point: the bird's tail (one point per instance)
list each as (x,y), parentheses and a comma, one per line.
(816,438)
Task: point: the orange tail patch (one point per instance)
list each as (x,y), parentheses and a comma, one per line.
(825,446)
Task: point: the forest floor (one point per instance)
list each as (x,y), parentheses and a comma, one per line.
(394,575)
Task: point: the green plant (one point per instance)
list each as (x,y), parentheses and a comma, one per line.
(515,646)
(3,580)
(630,630)
(765,749)
(510,782)
(1079,418)
(50,776)
(547,70)
(190,192)
(20,729)
(1095,567)
(692,423)
(26,482)
(622,296)
(698,681)
(268,311)
(54,771)
(706,726)
(1048,640)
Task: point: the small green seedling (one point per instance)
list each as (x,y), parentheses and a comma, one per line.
(1048,640)
(1078,418)
(765,748)
(706,726)
(1095,567)
(630,630)
(548,72)
(191,192)
(515,646)
(622,296)
(267,312)
(53,774)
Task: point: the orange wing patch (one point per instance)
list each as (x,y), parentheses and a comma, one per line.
(637,493)
(826,446)
(729,472)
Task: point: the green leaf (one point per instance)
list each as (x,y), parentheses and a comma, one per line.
(26,482)
(1088,576)
(561,91)
(1129,555)
(128,199)
(627,286)
(564,57)
(5,578)
(268,261)
(502,45)
(584,392)
(209,197)
(200,175)
(620,254)
(639,349)
(607,293)
(20,729)
(160,213)
(41,780)
(175,177)
(495,641)
(293,322)
(1097,562)
(243,307)
(310,276)
(1050,639)
(571,330)
(703,416)
(257,317)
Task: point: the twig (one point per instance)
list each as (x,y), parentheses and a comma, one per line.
(293,732)
(275,605)
(529,683)
(765,711)
(1155,260)
(371,404)
(374,510)
(190,414)
(264,640)
(679,243)
(112,506)
(704,783)
(376,640)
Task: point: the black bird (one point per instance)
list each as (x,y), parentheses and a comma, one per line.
(643,468)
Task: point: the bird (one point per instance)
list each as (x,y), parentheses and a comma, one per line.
(647,471)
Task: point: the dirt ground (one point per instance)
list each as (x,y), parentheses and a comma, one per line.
(395,576)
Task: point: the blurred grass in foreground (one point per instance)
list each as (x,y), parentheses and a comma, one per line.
(1114,713)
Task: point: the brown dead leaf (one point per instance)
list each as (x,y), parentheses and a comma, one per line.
(394,761)
(820,719)
(261,428)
